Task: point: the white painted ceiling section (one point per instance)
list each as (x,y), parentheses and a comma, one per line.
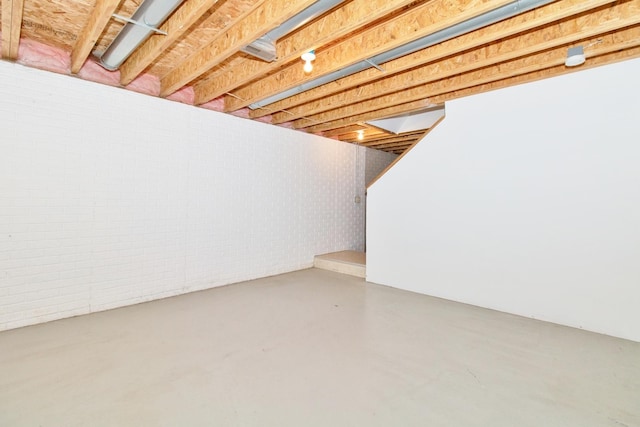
(524,200)
(410,122)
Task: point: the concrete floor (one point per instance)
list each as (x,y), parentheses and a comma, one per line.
(314,348)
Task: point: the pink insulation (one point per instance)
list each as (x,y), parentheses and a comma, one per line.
(145,83)
(38,55)
(93,72)
(186,95)
(288,125)
(244,113)
(215,104)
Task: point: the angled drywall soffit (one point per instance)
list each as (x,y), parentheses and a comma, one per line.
(410,122)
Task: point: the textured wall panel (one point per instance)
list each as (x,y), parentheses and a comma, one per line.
(109,198)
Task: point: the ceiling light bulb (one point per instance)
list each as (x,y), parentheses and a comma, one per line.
(361,135)
(307,57)
(307,67)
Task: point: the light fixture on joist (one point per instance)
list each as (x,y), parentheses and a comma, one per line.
(307,57)
(575,57)
(265,47)
(505,11)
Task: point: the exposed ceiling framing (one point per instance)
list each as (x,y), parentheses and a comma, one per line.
(201,54)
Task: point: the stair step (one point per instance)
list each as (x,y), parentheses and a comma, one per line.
(346,262)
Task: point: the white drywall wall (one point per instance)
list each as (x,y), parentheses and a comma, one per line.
(525,200)
(109,197)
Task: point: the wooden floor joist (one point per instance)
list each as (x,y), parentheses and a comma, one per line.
(100,16)
(203,56)
(339,23)
(261,20)
(505,70)
(418,21)
(392,111)
(631,52)
(569,30)
(11,26)
(369,132)
(353,137)
(395,145)
(336,133)
(178,24)
(524,22)
(380,137)
(392,140)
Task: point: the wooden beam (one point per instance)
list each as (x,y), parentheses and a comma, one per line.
(395,148)
(11,26)
(584,26)
(596,61)
(364,141)
(336,24)
(220,18)
(464,79)
(261,20)
(178,24)
(369,133)
(98,20)
(355,139)
(395,145)
(552,59)
(392,111)
(417,22)
(521,23)
(405,151)
(381,138)
(393,140)
(333,133)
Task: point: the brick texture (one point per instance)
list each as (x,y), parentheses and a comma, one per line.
(376,162)
(110,198)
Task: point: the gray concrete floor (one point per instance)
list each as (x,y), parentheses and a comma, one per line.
(314,348)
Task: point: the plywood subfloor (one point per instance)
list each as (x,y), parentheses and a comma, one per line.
(314,348)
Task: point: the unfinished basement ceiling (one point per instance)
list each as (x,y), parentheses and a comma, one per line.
(200,61)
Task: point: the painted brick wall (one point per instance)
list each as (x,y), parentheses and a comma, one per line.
(376,162)
(110,198)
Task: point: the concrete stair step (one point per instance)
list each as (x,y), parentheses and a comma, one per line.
(346,262)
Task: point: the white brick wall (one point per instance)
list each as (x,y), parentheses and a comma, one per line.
(376,162)
(110,198)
